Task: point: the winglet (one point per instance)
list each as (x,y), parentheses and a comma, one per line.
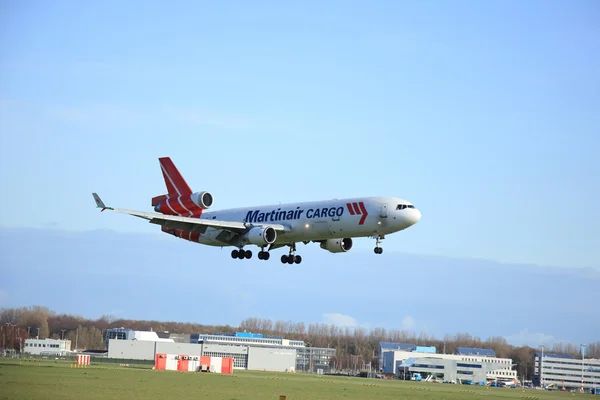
(99,202)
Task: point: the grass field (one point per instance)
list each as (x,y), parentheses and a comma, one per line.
(57,380)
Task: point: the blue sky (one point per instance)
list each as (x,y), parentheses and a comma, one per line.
(483,114)
(438,295)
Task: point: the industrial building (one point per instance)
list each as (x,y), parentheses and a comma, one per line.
(47,347)
(129,334)
(250,351)
(468,365)
(555,371)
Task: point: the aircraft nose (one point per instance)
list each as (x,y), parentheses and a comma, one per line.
(413,216)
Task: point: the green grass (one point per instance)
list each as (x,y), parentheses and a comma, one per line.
(57,380)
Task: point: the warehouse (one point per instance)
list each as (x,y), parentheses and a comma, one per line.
(248,350)
(244,357)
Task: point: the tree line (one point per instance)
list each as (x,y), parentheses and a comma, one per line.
(355,347)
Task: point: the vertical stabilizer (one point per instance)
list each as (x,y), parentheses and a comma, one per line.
(176,185)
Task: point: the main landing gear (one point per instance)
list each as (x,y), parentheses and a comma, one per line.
(378,249)
(291,258)
(241,254)
(265,255)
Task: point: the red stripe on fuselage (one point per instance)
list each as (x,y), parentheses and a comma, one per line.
(356,209)
(364,213)
(350,208)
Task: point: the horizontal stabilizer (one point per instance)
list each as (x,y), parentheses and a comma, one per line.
(156,199)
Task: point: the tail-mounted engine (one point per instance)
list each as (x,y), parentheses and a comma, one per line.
(204,200)
(187,206)
(337,245)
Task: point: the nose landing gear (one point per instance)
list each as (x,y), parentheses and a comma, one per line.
(378,249)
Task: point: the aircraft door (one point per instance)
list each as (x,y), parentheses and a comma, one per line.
(384,208)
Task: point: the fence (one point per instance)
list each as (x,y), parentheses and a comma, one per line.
(94,359)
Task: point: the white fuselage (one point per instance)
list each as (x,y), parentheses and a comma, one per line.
(321,220)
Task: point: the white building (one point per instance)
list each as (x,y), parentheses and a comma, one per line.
(248,350)
(563,370)
(47,347)
(457,368)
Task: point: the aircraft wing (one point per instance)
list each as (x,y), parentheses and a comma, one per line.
(186,223)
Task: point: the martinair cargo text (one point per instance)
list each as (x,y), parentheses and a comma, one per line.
(332,223)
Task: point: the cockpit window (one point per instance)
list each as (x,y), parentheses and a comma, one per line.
(403,206)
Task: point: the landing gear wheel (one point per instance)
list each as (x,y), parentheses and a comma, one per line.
(291,258)
(241,254)
(266,255)
(378,250)
(248,254)
(263,255)
(234,254)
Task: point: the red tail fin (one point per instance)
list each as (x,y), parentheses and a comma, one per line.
(176,185)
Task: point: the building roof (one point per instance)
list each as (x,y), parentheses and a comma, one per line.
(397,346)
(408,363)
(474,351)
(555,355)
(425,349)
(148,336)
(247,335)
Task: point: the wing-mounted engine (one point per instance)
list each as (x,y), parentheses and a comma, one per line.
(337,245)
(261,235)
(190,205)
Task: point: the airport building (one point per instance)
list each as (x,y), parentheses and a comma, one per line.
(468,365)
(555,371)
(250,351)
(391,346)
(46,347)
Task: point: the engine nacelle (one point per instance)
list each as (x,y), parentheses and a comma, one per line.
(261,235)
(337,245)
(203,200)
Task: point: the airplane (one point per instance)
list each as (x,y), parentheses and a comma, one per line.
(331,223)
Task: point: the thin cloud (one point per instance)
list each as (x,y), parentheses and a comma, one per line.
(341,320)
(532,339)
(408,323)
